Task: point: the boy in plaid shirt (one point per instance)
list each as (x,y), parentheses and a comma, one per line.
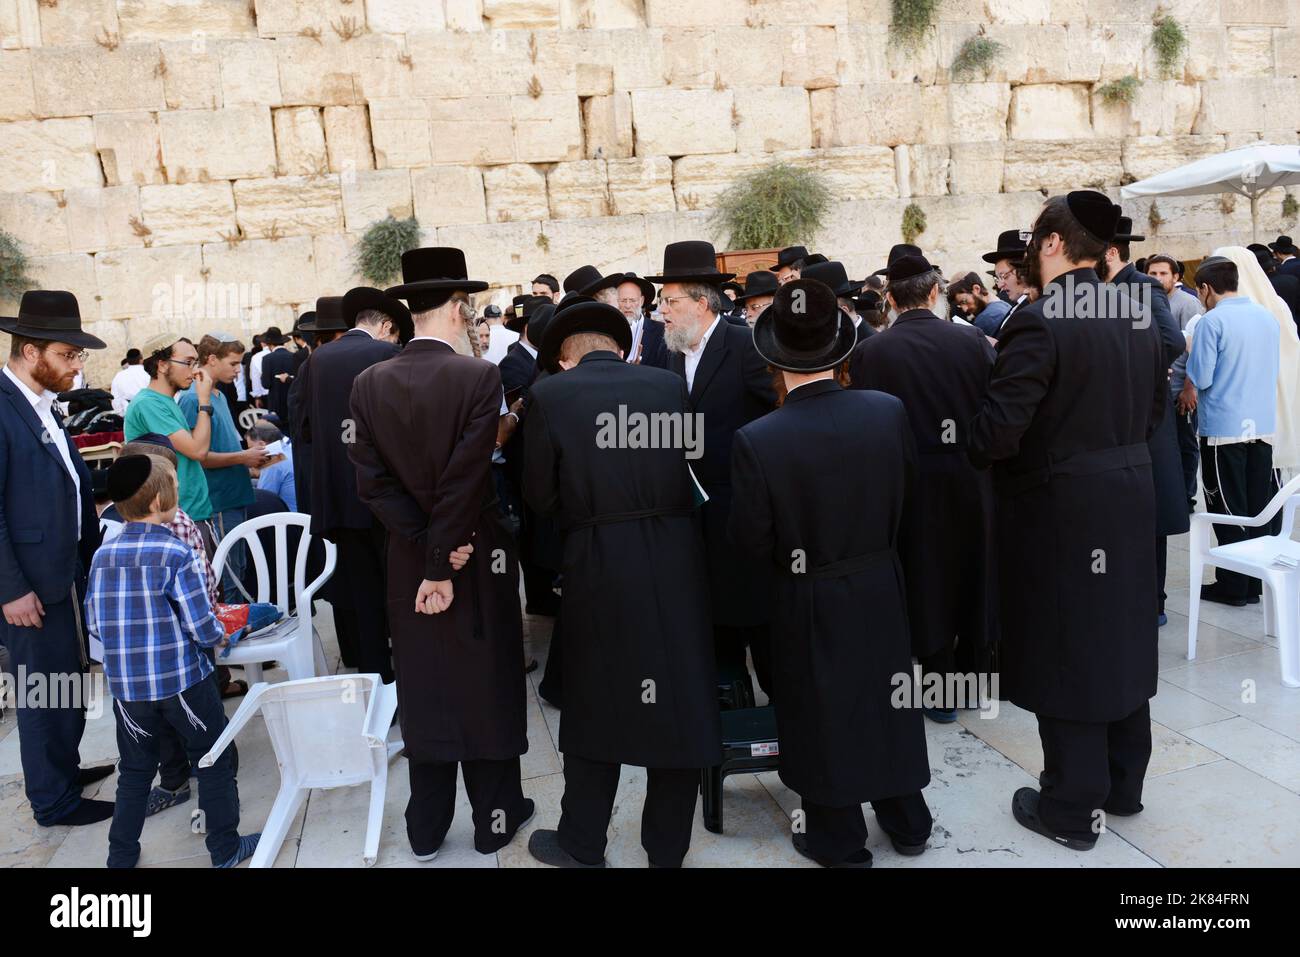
(147,602)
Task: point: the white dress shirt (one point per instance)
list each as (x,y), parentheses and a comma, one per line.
(692,356)
(43,405)
(255,388)
(500,339)
(638,328)
(126,384)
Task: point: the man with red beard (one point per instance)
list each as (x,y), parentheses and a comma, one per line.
(48,533)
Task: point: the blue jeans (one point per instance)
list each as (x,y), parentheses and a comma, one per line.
(140,725)
(223,523)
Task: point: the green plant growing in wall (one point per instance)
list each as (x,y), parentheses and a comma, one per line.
(1154,218)
(976,57)
(1170,42)
(378,256)
(910,20)
(1123,90)
(14,265)
(778,205)
(914,223)
(1290,208)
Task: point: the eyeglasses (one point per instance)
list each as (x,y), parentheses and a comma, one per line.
(80,356)
(187,363)
(671,299)
(1004,275)
(635,301)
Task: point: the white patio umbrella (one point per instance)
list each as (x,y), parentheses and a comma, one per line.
(1249,171)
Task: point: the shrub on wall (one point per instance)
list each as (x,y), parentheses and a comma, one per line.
(1170,42)
(976,57)
(379,253)
(14,265)
(910,20)
(779,205)
(914,222)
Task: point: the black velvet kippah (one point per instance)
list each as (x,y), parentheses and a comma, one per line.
(127,474)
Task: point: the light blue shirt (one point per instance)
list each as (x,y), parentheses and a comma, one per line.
(1234,366)
(278,478)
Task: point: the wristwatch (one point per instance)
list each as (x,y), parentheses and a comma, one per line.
(207,409)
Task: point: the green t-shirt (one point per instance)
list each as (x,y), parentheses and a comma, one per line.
(229,486)
(150,411)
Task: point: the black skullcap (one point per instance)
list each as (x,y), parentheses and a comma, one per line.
(1094,211)
(907,266)
(127,475)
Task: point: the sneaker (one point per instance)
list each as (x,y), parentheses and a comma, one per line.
(1161,620)
(424,858)
(160,799)
(247,845)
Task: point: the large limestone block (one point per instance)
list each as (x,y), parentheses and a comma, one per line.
(515,192)
(1207,53)
(315,73)
(610,243)
(975,167)
(699,180)
(607,125)
(674,227)
(452,64)
(773,118)
(229,143)
(1050,111)
(1061,164)
(188,212)
(448,196)
(755,56)
(289,18)
(578,190)
(475,129)
(868,54)
(250,75)
(464,15)
(128,148)
(104,218)
(187,19)
(682,122)
(372,195)
(966,112)
(1245,104)
(1250,51)
(17,94)
(809,57)
(289,205)
(1145,156)
(690,59)
(20,24)
(278,271)
(1262,12)
(1233,140)
(601,14)
(334,256)
(521,14)
(1160,108)
(135,283)
(299,141)
(851,172)
(347,139)
(404,16)
(70,22)
(500,252)
(76,81)
(1286,52)
(49,154)
(671,14)
(191,75)
(639,59)
(381,67)
(37,219)
(400,131)
(797,12)
(74,272)
(548,128)
(922,170)
(641,185)
(884,114)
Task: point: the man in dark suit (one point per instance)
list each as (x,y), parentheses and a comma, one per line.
(375,322)
(1078,388)
(277,374)
(636,297)
(730,386)
(1288,256)
(48,532)
(940,372)
(640,679)
(820,486)
(426,425)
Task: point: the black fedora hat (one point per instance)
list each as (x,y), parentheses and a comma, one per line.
(760,282)
(789,256)
(1124,231)
(433,269)
(362,298)
(817,336)
(521,310)
(53,315)
(538,321)
(1010,246)
(832,274)
(1094,211)
(578,317)
(581,278)
(895,251)
(306,323)
(328,315)
(1284,245)
(274,336)
(691,261)
(905,267)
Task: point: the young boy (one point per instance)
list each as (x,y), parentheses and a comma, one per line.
(148,604)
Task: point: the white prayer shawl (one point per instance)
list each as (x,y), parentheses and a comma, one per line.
(1253,282)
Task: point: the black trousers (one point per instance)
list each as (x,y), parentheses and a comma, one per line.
(588,802)
(963,660)
(1189,448)
(1091,766)
(729,644)
(1238,480)
(361,565)
(496,799)
(552,684)
(1162,566)
(836,833)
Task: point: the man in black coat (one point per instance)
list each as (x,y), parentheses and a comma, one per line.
(277,371)
(820,486)
(375,323)
(639,675)
(729,386)
(1166,457)
(1077,390)
(940,371)
(1286,285)
(1288,256)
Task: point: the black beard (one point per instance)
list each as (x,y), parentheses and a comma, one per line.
(1033,269)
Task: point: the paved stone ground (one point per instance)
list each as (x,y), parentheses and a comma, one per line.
(1223,789)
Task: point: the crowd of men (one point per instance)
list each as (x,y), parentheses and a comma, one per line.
(978,478)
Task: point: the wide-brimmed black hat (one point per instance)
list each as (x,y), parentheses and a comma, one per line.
(274,336)
(789,256)
(50,314)
(430,274)
(327,317)
(895,251)
(579,317)
(647,288)
(1284,245)
(816,336)
(1124,231)
(691,261)
(361,298)
(760,282)
(1010,246)
(1094,212)
(734,286)
(538,321)
(869,301)
(905,267)
(833,274)
(305,323)
(521,310)
(581,278)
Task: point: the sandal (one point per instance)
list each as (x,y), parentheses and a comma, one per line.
(234,689)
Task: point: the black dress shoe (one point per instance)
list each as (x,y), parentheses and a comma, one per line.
(1252,599)
(88,776)
(87,812)
(859,859)
(1116,812)
(530,809)
(544,845)
(1215,593)
(1024,807)
(909,850)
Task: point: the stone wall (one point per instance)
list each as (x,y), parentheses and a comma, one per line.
(202,164)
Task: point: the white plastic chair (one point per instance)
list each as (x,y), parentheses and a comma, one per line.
(293,641)
(1256,557)
(329,732)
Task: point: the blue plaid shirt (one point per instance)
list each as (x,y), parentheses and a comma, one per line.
(147,601)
